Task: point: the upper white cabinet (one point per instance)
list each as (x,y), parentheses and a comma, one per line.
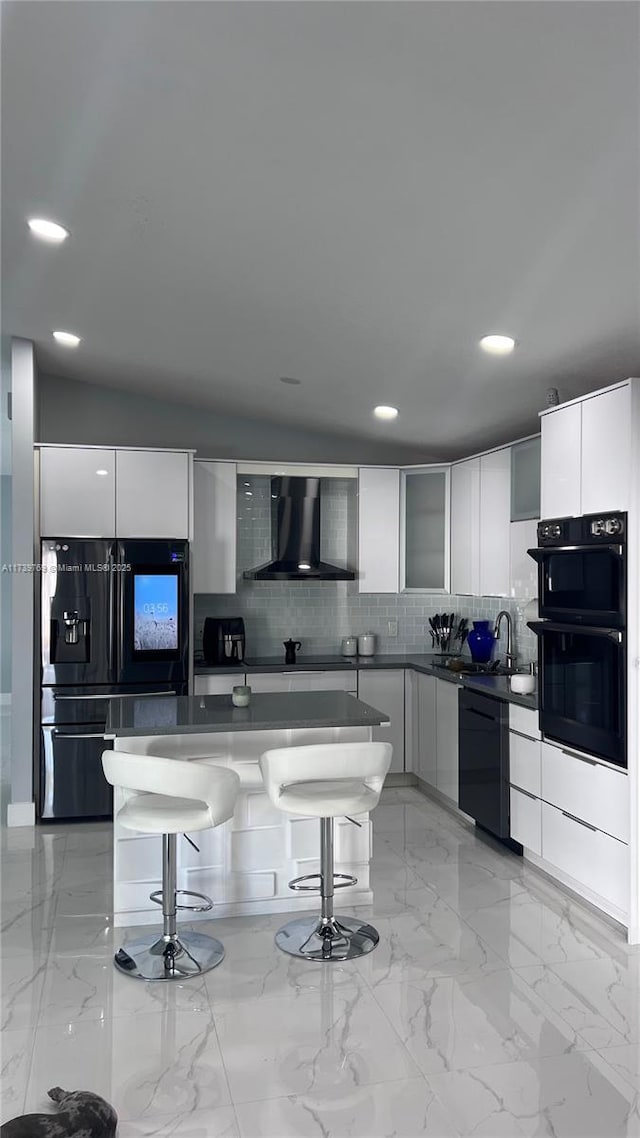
(425,529)
(606,451)
(525,480)
(77,492)
(465,526)
(480,521)
(495,522)
(586,448)
(560,462)
(378,529)
(384,690)
(214,527)
(152,494)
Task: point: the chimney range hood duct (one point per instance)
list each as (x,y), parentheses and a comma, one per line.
(297,546)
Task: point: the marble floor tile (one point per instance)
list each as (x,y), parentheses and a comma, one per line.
(218,1122)
(145,1065)
(626,1061)
(91,933)
(600,999)
(319,1043)
(537,932)
(25,926)
(21,981)
(567,1096)
(452,1023)
(16,1048)
(88,899)
(404,1109)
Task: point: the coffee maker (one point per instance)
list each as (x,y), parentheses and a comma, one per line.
(223,640)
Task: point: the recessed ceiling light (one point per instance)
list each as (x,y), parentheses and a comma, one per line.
(69,339)
(102,473)
(290,380)
(384,412)
(47,230)
(497,345)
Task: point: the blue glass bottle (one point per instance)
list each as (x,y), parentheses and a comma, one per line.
(481,641)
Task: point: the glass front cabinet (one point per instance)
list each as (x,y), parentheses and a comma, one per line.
(424,538)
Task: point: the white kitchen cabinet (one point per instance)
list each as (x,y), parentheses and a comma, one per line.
(303,681)
(384,690)
(465,526)
(77,492)
(378,530)
(588,856)
(525,480)
(447,739)
(214,527)
(425,529)
(525,819)
(495,523)
(524,720)
(152,494)
(606,451)
(561,462)
(595,793)
(524,763)
(411,722)
(217,685)
(523,570)
(427,768)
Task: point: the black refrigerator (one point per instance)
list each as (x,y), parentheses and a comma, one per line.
(114,622)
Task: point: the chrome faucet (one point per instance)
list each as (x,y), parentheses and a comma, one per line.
(509,657)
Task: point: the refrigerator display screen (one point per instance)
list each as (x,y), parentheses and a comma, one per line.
(155,606)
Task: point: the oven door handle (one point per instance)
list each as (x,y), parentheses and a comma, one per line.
(549,550)
(540,626)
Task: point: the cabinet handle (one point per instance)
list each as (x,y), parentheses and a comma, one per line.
(527,793)
(91,735)
(587,825)
(582,758)
(114,695)
(521,735)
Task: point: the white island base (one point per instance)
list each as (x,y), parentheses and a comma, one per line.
(245,865)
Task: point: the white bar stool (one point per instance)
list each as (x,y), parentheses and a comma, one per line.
(326,781)
(170,797)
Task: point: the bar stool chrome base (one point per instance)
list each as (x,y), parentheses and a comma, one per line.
(315,938)
(179,958)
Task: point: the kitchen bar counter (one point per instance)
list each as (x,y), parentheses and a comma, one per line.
(497,686)
(245,865)
(268,711)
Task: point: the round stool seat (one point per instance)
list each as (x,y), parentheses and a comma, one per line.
(328,798)
(160,814)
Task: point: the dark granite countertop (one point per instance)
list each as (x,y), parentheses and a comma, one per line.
(268,711)
(497,686)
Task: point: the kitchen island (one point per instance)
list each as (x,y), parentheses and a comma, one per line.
(244,866)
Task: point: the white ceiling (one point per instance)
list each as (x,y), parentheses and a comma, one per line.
(348,193)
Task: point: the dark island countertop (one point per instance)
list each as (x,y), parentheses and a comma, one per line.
(268,711)
(497,686)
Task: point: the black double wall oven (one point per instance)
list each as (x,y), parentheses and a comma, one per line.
(114,622)
(582,657)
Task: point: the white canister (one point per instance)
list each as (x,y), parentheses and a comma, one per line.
(366,644)
(350,646)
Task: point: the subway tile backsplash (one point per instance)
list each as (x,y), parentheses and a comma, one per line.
(321,614)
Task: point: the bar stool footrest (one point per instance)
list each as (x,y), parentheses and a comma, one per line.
(340,881)
(156,897)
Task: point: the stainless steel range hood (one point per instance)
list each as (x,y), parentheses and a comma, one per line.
(297,533)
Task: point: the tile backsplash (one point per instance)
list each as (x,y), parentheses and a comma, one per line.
(321,614)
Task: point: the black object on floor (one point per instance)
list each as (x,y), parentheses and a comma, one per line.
(82,1114)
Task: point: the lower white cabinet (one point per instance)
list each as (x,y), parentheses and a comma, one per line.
(526,819)
(303,681)
(590,857)
(427,742)
(587,789)
(216,685)
(384,690)
(524,764)
(447,739)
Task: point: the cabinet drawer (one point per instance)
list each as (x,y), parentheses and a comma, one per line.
(587,789)
(588,856)
(524,763)
(525,825)
(524,720)
(216,685)
(303,681)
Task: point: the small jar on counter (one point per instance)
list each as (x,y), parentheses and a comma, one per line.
(241,695)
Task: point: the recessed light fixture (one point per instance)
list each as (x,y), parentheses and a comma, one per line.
(384,412)
(69,339)
(102,473)
(497,345)
(47,230)
(290,380)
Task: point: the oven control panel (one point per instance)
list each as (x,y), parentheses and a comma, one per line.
(592,529)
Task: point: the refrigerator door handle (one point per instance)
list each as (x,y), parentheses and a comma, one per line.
(47,772)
